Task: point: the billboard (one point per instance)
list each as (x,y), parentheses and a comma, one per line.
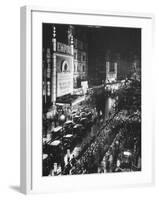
(64,84)
(64,65)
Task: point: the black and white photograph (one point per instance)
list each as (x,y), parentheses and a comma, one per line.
(91,99)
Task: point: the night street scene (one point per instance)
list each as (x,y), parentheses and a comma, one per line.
(91,94)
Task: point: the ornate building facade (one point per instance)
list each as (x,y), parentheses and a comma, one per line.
(65,62)
(80,63)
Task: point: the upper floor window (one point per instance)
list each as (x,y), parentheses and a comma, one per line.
(75,55)
(83,68)
(75,68)
(84,58)
(111,69)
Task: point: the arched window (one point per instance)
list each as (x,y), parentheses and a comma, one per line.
(64,66)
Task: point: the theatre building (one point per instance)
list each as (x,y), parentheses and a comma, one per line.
(65,66)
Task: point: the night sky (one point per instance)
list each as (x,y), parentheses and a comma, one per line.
(117,40)
(124,41)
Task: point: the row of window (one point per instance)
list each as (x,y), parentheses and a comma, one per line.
(80,68)
(80,44)
(80,56)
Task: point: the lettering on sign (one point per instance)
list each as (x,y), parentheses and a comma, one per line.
(63,48)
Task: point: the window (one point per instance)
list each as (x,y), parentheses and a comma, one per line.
(75,68)
(75,55)
(64,66)
(79,56)
(83,68)
(112,69)
(79,67)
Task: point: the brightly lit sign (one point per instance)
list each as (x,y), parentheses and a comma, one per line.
(64,83)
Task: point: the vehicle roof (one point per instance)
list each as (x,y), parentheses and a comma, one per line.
(77,125)
(68,136)
(68,122)
(45,156)
(56,129)
(55,143)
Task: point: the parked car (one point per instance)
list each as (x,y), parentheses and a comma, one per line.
(68,141)
(83,114)
(56,132)
(126,160)
(68,127)
(78,131)
(76,119)
(55,148)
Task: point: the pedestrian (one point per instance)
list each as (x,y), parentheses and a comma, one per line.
(73,161)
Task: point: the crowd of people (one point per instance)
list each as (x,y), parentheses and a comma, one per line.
(90,159)
(118,143)
(124,154)
(114,144)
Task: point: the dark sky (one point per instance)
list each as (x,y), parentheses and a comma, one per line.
(117,40)
(124,41)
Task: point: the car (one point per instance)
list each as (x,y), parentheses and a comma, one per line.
(67,141)
(84,122)
(78,131)
(125,160)
(83,114)
(89,116)
(56,132)
(68,126)
(76,119)
(55,148)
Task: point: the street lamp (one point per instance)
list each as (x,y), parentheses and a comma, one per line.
(62,118)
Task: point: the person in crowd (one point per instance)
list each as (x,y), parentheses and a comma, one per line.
(73,160)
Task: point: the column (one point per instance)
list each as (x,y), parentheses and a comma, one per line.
(44,79)
(48,73)
(72,60)
(53,93)
(107,71)
(115,69)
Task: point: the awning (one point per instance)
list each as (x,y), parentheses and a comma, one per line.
(78,100)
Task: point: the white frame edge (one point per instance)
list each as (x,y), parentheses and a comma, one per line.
(90,12)
(25,102)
